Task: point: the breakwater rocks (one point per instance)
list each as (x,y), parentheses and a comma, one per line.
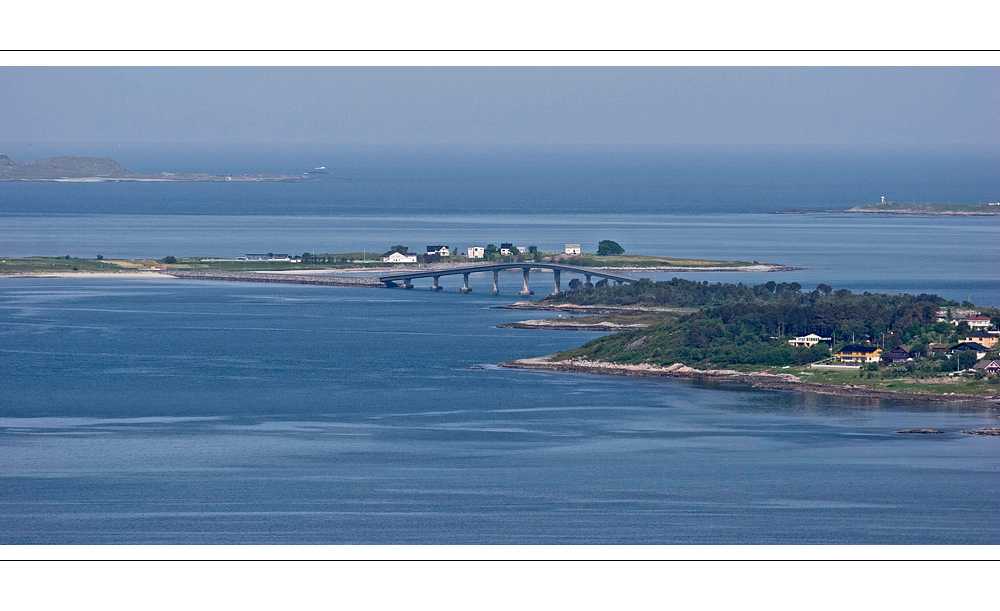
(772,381)
(991,431)
(277,278)
(589,310)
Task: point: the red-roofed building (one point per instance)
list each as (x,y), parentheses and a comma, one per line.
(978,322)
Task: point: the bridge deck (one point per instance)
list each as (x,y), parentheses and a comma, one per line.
(472,269)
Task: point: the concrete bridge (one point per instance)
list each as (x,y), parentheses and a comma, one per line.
(392,280)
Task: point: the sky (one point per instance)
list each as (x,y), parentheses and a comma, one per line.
(884,106)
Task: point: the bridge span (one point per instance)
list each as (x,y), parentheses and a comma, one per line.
(392,280)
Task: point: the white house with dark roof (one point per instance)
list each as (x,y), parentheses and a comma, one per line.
(438,250)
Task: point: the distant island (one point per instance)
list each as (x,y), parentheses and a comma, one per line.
(991,209)
(104,169)
(922,209)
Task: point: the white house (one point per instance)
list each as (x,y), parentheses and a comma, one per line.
(572,249)
(477,252)
(267,257)
(808,341)
(505,248)
(978,322)
(398,257)
(438,250)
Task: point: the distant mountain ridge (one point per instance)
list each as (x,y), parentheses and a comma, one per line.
(64,167)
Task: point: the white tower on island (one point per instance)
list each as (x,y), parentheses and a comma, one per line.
(883,199)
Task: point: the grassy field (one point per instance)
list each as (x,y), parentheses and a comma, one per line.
(354,260)
(49,265)
(42,265)
(587,260)
(941,384)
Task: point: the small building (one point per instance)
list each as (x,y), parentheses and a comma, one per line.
(859,354)
(937,349)
(979,349)
(897,355)
(572,249)
(978,322)
(808,341)
(268,257)
(438,250)
(398,257)
(505,248)
(982,337)
(987,365)
(476,252)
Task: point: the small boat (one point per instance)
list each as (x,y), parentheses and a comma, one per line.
(320,170)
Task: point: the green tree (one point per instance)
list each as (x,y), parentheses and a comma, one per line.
(608,247)
(532,249)
(169,259)
(99,257)
(399,248)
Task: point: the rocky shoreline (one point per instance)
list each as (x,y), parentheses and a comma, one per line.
(559,324)
(588,310)
(771,381)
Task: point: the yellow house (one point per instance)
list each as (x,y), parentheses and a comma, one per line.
(985,339)
(808,341)
(859,354)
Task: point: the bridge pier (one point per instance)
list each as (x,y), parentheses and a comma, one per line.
(436,287)
(556,281)
(496,282)
(465,287)
(407,284)
(526,290)
(587,283)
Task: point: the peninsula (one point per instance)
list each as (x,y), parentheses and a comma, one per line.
(779,336)
(104,169)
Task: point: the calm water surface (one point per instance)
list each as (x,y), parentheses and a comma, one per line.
(163,411)
(158,411)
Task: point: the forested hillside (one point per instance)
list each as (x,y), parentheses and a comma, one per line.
(751,325)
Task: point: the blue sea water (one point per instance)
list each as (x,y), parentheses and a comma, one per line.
(144,411)
(166,411)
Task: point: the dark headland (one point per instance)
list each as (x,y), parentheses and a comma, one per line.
(104,169)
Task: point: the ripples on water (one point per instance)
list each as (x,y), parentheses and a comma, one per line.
(139,411)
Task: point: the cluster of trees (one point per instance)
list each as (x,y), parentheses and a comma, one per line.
(686,293)
(609,248)
(492,253)
(751,325)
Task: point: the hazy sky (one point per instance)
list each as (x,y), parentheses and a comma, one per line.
(517,105)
